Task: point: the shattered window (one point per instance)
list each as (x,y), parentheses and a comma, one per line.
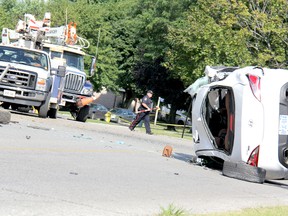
(218,112)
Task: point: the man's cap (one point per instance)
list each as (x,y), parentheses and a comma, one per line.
(150,91)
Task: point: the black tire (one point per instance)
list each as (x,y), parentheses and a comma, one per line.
(44,108)
(23,108)
(243,171)
(14,106)
(52,113)
(83,114)
(5,105)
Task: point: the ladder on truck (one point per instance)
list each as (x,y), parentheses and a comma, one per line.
(28,33)
(31,33)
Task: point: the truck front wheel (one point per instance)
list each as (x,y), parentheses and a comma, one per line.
(52,113)
(5,105)
(83,114)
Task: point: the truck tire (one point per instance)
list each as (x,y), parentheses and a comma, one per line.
(52,113)
(83,114)
(243,171)
(44,108)
(5,105)
(14,106)
(5,116)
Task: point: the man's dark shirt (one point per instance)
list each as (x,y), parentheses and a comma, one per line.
(147,101)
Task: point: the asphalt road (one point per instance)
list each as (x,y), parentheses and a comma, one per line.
(52,167)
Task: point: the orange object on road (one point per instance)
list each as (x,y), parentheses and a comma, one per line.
(167,151)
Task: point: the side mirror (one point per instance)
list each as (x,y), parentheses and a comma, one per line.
(92,66)
(61,71)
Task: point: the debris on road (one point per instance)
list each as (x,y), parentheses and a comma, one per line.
(73,173)
(243,171)
(198,161)
(82,137)
(38,127)
(167,151)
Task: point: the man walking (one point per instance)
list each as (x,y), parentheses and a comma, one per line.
(143,113)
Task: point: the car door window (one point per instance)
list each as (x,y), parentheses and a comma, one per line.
(218,113)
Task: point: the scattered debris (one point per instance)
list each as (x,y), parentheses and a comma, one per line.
(167,151)
(28,137)
(197,161)
(39,128)
(176,173)
(82,137)
(73,173)
(120,142)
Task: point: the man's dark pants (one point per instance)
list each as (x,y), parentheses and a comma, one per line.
(138,118)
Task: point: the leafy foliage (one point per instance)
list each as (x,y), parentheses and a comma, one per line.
(173,211)
(232,33)
(164,45)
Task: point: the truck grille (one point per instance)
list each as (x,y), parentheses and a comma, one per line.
(74,82)
(19,78)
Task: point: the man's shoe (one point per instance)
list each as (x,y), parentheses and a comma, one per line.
(150,133)
(131,129)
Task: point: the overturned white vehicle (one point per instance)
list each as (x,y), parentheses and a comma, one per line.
(240,117)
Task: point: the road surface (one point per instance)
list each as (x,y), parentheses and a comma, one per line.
(52,167)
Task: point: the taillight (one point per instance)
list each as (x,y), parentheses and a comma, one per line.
(254,82)
(254,156)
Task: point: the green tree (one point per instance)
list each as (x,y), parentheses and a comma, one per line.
(115,51)
(232,33)
(155,20)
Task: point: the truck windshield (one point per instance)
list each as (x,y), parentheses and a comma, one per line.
(23,56)
(74,60)
(71,59)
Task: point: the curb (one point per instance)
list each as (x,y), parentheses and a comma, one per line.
(5,116)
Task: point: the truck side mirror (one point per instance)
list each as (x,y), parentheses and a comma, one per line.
(61,71)
(92,66)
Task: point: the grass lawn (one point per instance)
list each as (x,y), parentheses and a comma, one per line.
(269,211)
(158,129)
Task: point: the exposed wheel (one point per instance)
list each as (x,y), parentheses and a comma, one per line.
(83,114)
(52,113)
(44,108)
(243,171)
